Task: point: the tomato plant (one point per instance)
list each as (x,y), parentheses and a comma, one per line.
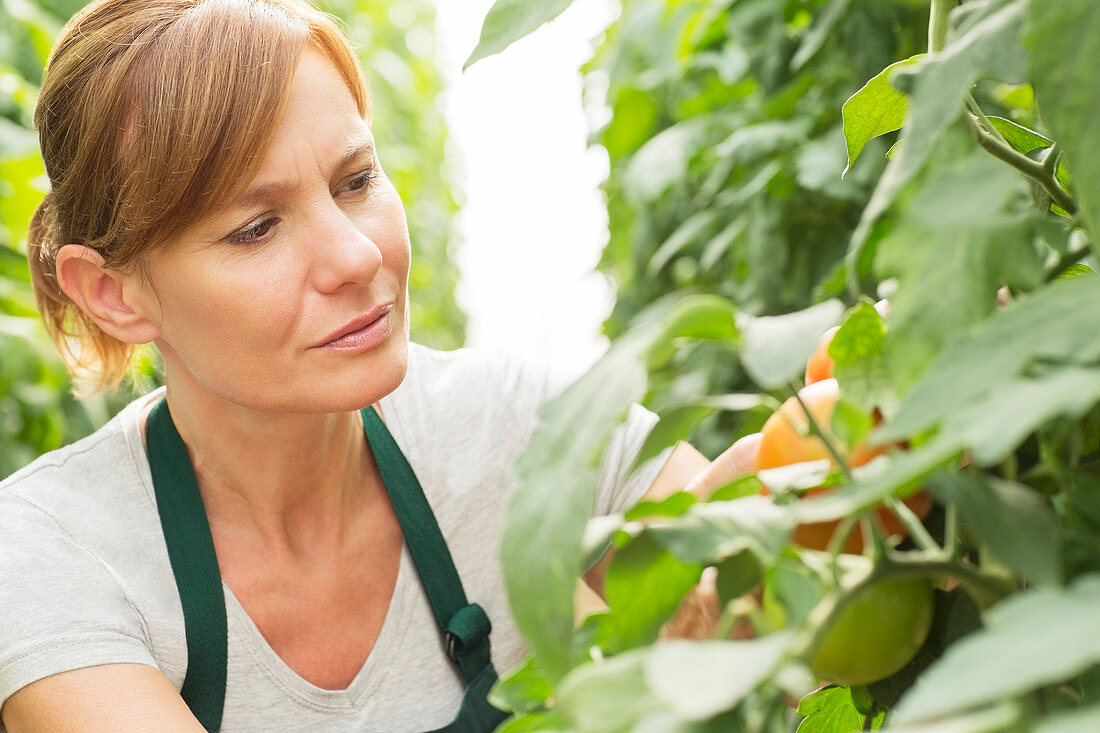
(803,159)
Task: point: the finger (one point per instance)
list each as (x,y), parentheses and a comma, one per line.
(738,460)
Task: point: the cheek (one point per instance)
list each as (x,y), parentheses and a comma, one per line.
(228,317)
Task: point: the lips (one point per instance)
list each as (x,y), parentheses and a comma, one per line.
(356,324)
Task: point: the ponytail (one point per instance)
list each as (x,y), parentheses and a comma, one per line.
(95,359)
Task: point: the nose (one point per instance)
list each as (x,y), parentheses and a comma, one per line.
(341,252)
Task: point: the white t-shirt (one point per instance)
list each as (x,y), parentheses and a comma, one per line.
(85,577)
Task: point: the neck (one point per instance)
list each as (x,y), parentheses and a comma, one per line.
(297,482)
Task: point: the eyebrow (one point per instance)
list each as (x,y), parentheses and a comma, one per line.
(356,150)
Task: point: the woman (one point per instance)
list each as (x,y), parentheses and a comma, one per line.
(233,550)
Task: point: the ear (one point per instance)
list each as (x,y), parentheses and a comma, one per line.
(115,301)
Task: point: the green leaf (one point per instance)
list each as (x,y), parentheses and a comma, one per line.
(990,389)
(675,425)
(711,532)
(989,47)
(510,20)
(643,586)
(1032,639)
(663,161)
(851,422)
(607,696)
(699,679)
(1019,137)
(815,39)
(950,249)
(671,506)
(1027,141)
(1014,522)
(1077,270)
(541,547)
(831,710)
(520,690)
(776,348)
(1074,721)
(1064,39)
(876,109)
(860,367)
(542,721)
(737,575)
(1004,717)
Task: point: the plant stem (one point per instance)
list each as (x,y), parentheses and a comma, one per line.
(816,430)
(951,530)
(913,524)
(1050,162)
(1033,169)
(984,589)
(937,24)
(1067,260)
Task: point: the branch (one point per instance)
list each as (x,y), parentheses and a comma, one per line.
(1067,260)
(1033,169)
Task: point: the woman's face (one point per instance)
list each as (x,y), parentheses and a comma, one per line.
(265,303)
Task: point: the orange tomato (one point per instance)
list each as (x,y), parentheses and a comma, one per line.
(786,439)
(820,366)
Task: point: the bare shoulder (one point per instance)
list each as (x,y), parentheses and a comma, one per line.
(113,697)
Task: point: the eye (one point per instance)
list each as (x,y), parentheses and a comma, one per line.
(361,181)
(255,233)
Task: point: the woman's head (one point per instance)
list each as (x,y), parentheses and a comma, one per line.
(154,114)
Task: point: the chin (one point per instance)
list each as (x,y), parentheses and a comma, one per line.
(361,383)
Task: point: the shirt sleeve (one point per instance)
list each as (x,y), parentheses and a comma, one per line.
(617,489)
(61,608)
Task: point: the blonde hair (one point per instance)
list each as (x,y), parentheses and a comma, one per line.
(152,115)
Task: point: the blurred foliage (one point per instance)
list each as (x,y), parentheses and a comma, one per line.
(396,42)
(726,145)
(737,243)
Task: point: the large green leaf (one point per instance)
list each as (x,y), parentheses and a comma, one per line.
(1012,521)
(950,249)
(607,696)
(510,20)
(1033,639)
(711,532)
(776,348)
(644,585)
(698,680)
(994,385)
(1064,40)
(876,109)
(541,547)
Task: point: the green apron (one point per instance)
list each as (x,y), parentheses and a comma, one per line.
(464,625)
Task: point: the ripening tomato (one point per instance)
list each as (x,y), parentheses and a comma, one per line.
(880,629)
(820,366)
(785,440)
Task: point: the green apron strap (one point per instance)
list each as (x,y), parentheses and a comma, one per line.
(195,565)
(194,562)
(464,625)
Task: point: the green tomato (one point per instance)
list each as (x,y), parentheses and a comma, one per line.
(876,634)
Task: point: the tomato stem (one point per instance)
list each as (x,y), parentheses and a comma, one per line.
(1033,169)
(913,524)
(986,590)
(951,530)
(937,24)
(816,430)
